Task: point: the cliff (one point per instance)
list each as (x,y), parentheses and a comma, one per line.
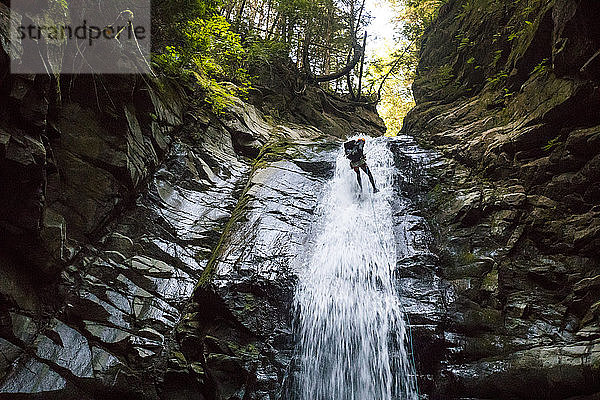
(119,196)
(507,97)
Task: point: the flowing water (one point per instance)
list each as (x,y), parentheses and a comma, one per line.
(352,334)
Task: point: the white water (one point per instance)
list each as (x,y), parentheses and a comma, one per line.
(352,335)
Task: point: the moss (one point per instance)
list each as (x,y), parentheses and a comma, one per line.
(249,302)
(441,76)
(467,258)
(439,195)
(270,152)
(237,214)
(490,281)
(248,350)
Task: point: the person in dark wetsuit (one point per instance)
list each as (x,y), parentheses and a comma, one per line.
(354,152)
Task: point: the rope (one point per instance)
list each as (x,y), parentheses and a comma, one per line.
(412,351)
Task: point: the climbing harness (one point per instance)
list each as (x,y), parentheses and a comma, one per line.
(358,163)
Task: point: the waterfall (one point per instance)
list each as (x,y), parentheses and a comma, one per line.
(351,331)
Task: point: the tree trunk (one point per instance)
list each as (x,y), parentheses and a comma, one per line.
(305,48)
(362,64)
(327,52)
(349,80)
(239,15)
(358,52)
(267,33)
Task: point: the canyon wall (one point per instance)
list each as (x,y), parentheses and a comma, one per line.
(508,96)
(122,200)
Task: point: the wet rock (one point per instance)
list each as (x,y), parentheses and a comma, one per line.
(111,219)
(228,374)
(248,128)
(66,347)
(514,199)
(126,320)
(33,377)
(555,370)
(466,208)
(23,327)
(516,182)
(587,284)
(246,337)
(54,235)
(10,353)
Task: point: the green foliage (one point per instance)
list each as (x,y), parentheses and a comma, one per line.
(418,15)
(468,6)
(507,93)
(524,24)
(442,76)
(500,77)
(208,52)
(279,25)
(542,68)
(298,9)
(464,43)
(552,144)
(497,55)
(261,52)
(170,18)
(219,96)
(208,47)
(396,101)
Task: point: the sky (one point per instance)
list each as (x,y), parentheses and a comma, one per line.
(381,28)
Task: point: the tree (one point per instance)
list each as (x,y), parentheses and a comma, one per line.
(317,32)
(198,45)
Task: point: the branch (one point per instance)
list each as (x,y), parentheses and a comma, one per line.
(349,80)
(358,52)
(362,7)
(394,65)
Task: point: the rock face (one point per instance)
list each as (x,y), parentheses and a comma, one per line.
(73,153)
(507,95)
(147,243)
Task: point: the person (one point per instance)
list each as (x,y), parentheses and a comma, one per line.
(358,160)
